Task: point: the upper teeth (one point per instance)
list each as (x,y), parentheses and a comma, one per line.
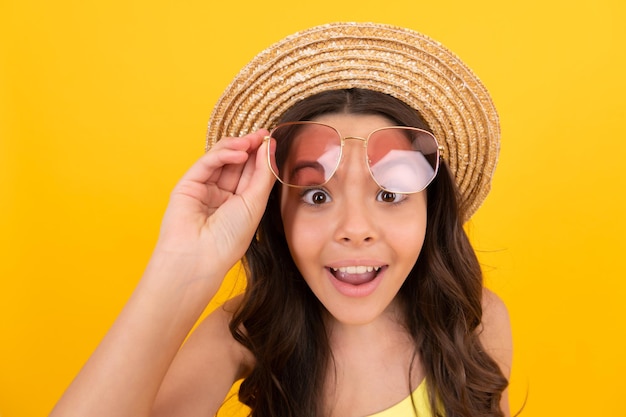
(356,269)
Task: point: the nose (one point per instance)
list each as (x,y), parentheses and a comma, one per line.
(356,226)
(356,219)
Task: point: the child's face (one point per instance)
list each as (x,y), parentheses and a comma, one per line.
(354,243)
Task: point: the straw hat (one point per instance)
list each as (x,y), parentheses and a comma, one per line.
(400,62)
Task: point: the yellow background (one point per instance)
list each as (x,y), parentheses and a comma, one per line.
(104,104)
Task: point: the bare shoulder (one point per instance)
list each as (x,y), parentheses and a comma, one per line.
(495,331)
(494,308)
(214,331)
(205,368)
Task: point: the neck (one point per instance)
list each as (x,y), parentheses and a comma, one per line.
(386,328)
(377,358)
(381,343)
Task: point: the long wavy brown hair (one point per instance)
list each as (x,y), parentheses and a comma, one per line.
(281,321)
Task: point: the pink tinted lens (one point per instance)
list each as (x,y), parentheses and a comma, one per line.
(307,154)
(402,160)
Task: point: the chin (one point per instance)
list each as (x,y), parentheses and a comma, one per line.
(354,315)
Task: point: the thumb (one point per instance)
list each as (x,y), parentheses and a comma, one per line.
(261,182)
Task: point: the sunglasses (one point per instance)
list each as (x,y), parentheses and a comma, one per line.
(400,159)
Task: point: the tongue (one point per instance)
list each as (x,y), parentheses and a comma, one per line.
(354,279)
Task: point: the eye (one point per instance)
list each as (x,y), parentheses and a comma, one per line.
(389,197)
(315,196)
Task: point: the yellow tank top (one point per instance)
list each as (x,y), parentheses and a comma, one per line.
(405,408)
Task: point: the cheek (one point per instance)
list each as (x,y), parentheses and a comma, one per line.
(409,230)
(288,213)
(299,233)
(409,237)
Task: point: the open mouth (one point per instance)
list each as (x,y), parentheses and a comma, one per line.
(356,275)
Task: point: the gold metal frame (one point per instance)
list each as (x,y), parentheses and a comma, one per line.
(439,150)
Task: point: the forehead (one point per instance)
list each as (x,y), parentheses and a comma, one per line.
(359,125)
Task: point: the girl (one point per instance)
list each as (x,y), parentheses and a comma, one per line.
(364,295)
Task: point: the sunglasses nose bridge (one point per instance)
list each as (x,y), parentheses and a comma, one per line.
(358,138)
(364,143)
(364,140)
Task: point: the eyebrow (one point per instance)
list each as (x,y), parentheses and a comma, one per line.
(304,164)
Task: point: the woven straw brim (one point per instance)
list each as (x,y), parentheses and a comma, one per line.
(402,63)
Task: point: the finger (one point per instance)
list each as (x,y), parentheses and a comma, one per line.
(257,183)
(248,171)
(248,142)
(228,151)
(231,175)
(206,166)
